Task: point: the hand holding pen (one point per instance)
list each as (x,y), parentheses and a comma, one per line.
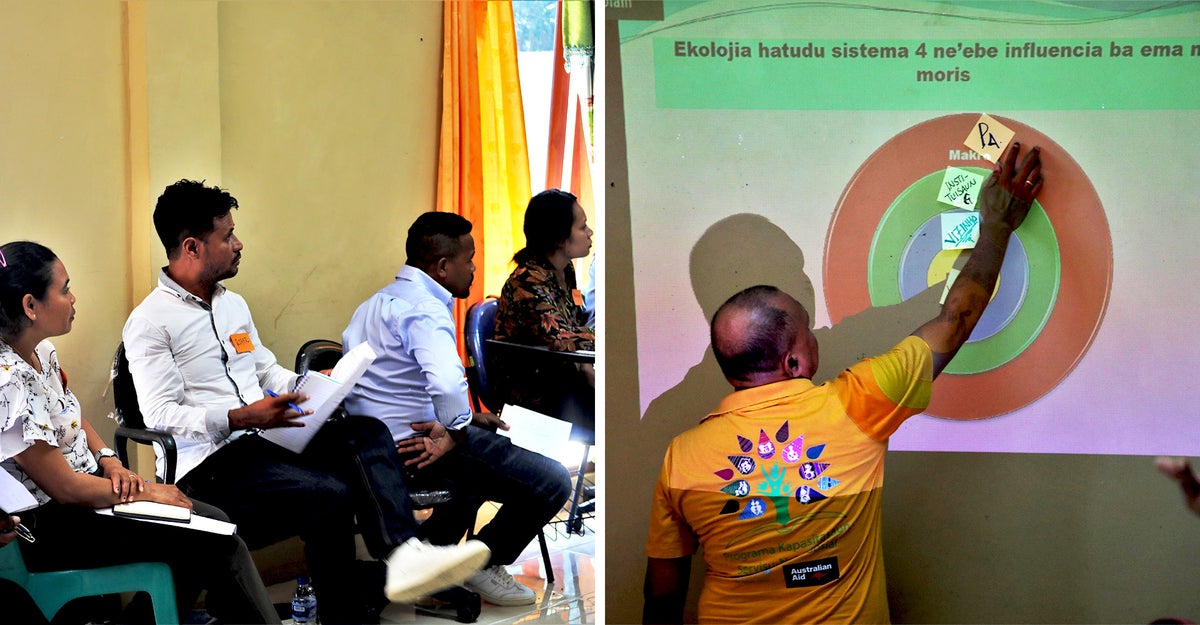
(273,411)
(290,404)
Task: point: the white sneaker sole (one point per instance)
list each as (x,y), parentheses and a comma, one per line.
(501,601)
(447,574)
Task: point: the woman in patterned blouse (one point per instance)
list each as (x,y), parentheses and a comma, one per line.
(48,446)
(541,304)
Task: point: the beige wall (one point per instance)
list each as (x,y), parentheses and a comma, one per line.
(63,167)
(320,117)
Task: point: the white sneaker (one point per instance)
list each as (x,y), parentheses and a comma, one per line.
(418,568)
(497,587)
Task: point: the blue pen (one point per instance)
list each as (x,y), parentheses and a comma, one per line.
(290,404)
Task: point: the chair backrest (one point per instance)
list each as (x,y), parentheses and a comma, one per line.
(480,327)
(12,565)
(318,355)
(51,590)
(124,394)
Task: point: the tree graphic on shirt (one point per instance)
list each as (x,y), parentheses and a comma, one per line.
(770,473)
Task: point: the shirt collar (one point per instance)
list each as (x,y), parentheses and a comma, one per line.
(408,273)
(167,284)
(772,393)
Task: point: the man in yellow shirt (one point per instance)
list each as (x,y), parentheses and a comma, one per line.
(782,484)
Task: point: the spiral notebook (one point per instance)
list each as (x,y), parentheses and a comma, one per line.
(325,393)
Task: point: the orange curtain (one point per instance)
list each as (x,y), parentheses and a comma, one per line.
(483,161)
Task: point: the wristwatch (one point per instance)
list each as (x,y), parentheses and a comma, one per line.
(105,453)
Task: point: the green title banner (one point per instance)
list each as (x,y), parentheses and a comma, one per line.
(993,74)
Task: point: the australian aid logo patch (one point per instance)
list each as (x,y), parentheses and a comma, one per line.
(812,573)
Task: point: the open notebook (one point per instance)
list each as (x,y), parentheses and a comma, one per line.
(325,393)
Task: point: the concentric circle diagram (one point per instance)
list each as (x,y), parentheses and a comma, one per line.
(884,247)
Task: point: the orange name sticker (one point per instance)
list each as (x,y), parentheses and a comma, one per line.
(241,342)
(577,297)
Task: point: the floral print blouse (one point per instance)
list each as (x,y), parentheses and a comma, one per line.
(38,406)
(535,310)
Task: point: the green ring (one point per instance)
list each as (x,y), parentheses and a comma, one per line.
(917,204)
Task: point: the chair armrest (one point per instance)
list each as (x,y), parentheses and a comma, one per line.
(124,434)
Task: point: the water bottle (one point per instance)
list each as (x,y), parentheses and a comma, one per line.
(304,603)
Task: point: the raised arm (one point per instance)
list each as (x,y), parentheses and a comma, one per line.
(1004,202)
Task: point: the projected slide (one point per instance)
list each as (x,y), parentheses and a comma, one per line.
(827,148)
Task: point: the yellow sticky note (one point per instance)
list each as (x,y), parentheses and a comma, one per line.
(989,138)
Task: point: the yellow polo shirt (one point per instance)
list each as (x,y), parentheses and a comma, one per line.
(782,486)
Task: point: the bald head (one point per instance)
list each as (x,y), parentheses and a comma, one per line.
(760,336)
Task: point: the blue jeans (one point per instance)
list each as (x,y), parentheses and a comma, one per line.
(488,467)
(350,470)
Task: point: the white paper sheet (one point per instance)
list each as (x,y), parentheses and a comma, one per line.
(14,497)
(200,523)
(535,431)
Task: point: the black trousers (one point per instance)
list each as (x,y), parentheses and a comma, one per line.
(349,471)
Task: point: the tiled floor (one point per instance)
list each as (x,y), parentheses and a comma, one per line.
(571,599)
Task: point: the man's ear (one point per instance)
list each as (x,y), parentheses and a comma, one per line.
(439,268)
(190,247)
(796,366)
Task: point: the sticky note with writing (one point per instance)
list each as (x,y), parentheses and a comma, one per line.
(960,230)
(989,138)
(241,342)
(960,187)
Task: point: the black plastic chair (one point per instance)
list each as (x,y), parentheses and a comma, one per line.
(490,391)
(324,354)
(131,426)
(462,605)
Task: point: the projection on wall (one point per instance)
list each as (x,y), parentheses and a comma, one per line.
(836,150)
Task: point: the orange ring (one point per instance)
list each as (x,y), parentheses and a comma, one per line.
(1084,240)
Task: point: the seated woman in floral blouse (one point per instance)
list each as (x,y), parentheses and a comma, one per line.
(47,445)
(540,304)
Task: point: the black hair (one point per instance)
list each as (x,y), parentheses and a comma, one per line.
(771,333)
(548,221)
(27,269)
(188,209)
(435,235)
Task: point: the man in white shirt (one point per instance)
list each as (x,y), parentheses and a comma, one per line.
(417,386)
(201,372)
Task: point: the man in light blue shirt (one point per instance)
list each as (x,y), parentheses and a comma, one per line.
(417,386)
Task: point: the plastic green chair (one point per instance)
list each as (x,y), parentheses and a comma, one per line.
(51,590)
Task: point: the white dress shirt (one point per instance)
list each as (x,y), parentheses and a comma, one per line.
(417,375)
(188,372)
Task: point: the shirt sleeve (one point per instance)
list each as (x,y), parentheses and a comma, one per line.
(882,392)
(670,536)
(430,338)
(160,387)
(24,412)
